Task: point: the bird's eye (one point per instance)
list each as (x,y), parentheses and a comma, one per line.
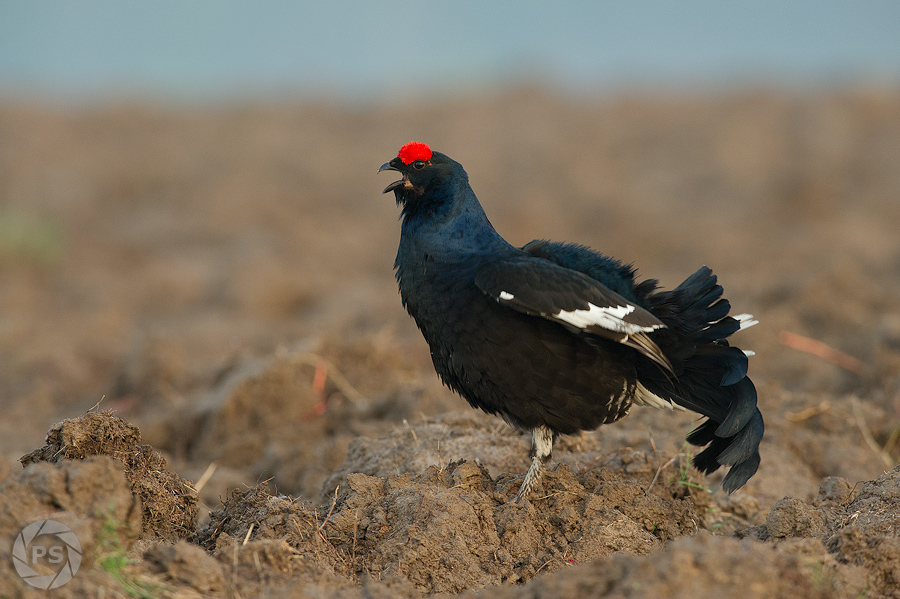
(419,164)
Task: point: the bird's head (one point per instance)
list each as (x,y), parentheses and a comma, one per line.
(424,172)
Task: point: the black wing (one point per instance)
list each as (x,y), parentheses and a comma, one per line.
(538,287)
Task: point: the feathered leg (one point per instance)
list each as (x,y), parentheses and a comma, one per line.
(541,450)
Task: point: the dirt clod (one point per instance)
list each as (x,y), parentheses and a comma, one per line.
(792,517)
(91,496)
(868,532)
(834,491)
(186,564)
(168,502)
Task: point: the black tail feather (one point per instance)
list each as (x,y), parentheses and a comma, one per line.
(710,376)
(728,365)
(707,461)
(719,310)
(703,434)
(745,443)
(742,409)
(721,328)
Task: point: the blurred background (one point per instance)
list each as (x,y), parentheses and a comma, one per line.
(209,51)
(188,196)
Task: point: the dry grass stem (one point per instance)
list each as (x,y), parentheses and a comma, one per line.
(826,352)
(807,413)
(867,434)
(330,371)
(331,509)
(207,474)
(658,470)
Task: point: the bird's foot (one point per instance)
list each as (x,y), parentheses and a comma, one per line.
(532,477)
(519,482)
(513,481)
(541,448)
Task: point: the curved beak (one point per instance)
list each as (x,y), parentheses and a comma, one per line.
(390,166)
(387,166)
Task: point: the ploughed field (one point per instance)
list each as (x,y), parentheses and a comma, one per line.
(271,424)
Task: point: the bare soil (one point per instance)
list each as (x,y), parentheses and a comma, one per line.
(270,422)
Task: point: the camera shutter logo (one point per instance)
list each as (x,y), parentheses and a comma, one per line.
(31,550)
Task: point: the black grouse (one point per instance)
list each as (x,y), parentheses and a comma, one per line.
(557,338)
